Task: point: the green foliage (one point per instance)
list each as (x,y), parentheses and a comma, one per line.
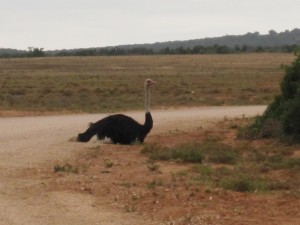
(203,170)
(35,52)
(194,152)
(282,117)
(243,183)
(290,85)
(219,153)
(291,119)
(183,153)
(278,161)
(187,153)
(238,168)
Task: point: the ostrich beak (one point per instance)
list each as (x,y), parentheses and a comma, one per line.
(152,82)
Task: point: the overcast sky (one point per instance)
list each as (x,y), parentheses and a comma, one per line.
(66,24)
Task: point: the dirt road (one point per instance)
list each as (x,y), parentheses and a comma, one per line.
(30,142)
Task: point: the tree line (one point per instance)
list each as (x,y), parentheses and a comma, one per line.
(117,51)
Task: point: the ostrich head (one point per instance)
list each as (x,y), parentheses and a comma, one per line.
(149,82)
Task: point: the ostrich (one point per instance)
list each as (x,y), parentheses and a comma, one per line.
(121,128)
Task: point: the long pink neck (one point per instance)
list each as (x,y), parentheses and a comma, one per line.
(147,98)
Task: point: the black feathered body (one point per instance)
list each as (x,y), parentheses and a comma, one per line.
(119,128)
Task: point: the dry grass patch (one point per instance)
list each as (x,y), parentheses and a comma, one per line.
(102,84)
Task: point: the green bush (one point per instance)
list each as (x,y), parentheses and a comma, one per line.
(291,82)
(282,117)
(291,118)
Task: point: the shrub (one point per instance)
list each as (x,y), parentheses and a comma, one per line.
(220,153)
(282,117)
(213,152)
(291,119)
(278,161)
(157,152)
(203,170)
(243,183)
(183,153)
(188,153)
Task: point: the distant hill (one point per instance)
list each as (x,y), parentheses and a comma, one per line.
(285,41)
(273,39)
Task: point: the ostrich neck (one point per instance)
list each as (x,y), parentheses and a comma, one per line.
(147,99)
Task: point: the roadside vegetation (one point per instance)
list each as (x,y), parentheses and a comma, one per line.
(282,118)
(238,167)
(109,84)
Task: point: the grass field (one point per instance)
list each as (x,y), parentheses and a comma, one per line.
(107,84)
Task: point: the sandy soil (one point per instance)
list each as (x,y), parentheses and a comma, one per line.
(29,146)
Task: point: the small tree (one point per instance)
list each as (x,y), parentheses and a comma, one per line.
(36,52)
(282,117)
